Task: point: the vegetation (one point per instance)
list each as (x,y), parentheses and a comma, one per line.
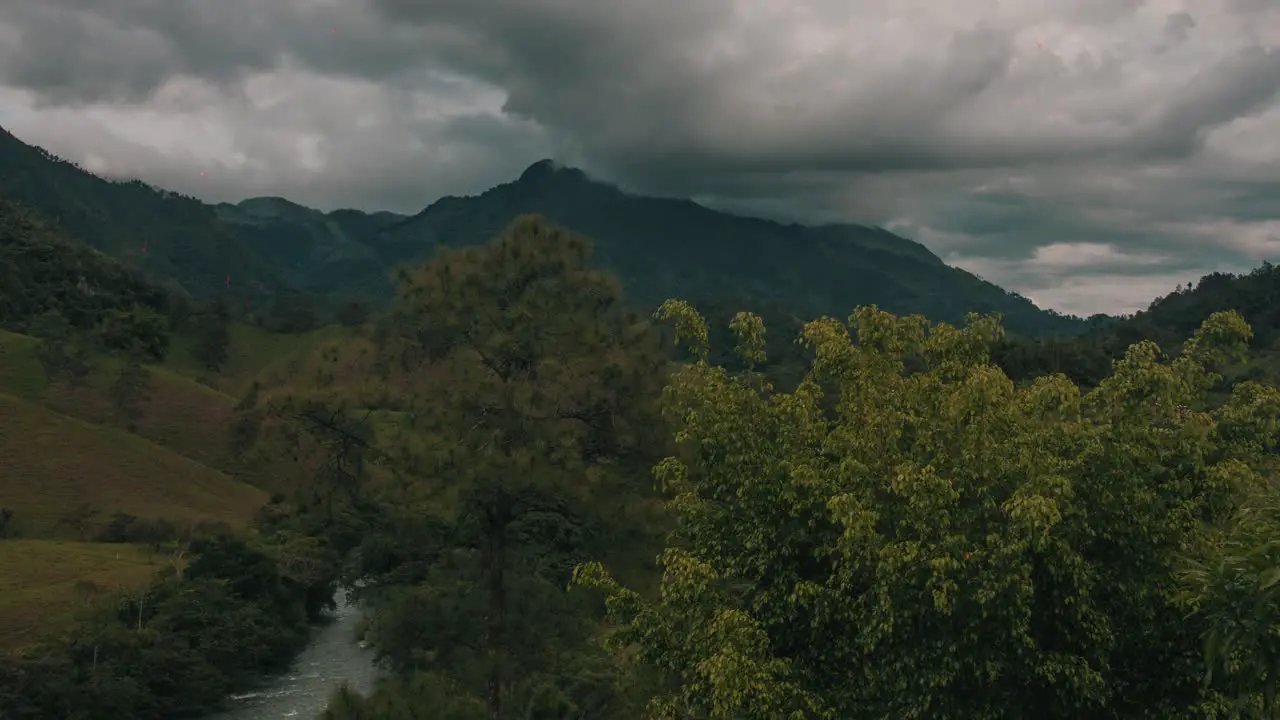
(1168,321)
(940,541)
(42,271)
(43,583)
(53,463)
(508,401)
(175,240)
(171,648)
(661,248)
(889,518)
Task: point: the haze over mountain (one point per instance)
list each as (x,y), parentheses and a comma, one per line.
(1090,155)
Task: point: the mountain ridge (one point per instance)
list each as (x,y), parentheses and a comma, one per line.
(755,257)
(659,247)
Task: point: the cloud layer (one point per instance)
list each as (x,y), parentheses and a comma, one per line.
(1090,154)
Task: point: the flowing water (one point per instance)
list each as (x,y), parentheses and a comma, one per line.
(332,657)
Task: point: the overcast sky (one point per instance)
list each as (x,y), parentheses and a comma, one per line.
(1090,154)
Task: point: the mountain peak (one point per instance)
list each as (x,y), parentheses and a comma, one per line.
(547,169)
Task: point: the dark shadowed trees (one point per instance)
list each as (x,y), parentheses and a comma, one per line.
(503,413)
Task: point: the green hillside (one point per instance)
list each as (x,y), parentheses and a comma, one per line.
(662,248)
(54,464)
(1168,321)
(174,239)
(314,252)
(43,583)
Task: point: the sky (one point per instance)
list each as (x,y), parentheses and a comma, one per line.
(1089,154)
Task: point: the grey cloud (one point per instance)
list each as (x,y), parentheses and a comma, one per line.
(988,129)
(1177,27)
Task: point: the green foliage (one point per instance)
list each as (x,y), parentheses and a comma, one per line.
(212,329)
(63,354)
(1234,586)
(247,424)
(165,235)
(176,648)
(495,427)
(140,331)
(1169,321)
(353,312)
(42,271)
(263,248)
(934,541)
(292,313)
(314,252)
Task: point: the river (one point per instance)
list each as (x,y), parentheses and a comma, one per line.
(332,657)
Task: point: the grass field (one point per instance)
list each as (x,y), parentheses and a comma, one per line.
(252,351)
(43,582)
(60,449)
(20,372)
(181,414)
(52,463)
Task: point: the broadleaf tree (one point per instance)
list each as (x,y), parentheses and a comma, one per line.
(910,534)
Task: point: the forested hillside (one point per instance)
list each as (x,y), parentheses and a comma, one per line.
(662,248)
(174,239)
(261,249)
(1169,321)
(317,253)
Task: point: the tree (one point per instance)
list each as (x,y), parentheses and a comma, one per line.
(1234,585)
(180,310)
(246,424)
(136,331)
(63,354)
(505,399)
(154,532)
(80,519)
(213,336)
(938,542)
(130,388)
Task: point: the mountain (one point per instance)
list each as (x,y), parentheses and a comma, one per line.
(660,248)
(41,270)
(1168,321)
(314,252)
(665,248)
(170,237)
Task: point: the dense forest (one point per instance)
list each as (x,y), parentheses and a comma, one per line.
(555,498)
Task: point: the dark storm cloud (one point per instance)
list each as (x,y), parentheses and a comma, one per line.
(1057,146)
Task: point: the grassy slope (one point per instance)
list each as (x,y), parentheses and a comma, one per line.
(59,449)
(43,582)
(53,463)
(181,415)
(252,351)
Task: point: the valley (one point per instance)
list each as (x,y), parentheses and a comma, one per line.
(452,416)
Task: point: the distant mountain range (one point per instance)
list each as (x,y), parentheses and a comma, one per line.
(660,248)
